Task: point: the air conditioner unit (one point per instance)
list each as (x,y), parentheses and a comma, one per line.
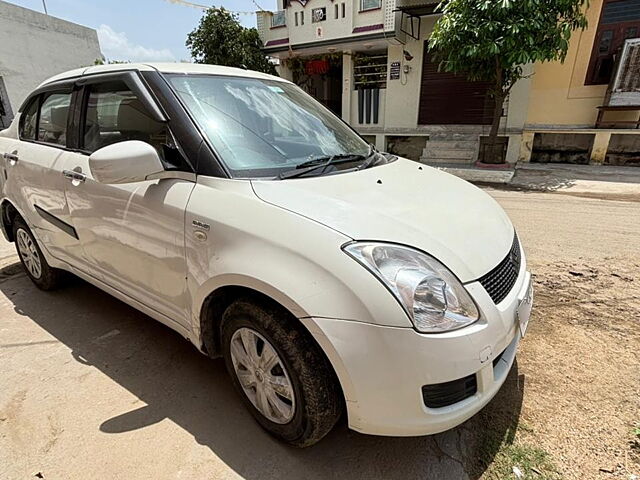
(625,87)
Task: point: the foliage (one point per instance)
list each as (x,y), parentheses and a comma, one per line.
(298,65)
(101,61)
(364,77)
(220,39)
(490,40)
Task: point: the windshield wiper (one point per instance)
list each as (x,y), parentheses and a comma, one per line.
(372,158)
(319,163)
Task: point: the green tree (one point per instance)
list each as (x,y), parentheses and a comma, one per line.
(491,40)
(220,39)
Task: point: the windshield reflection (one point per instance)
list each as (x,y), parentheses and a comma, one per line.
(263,127)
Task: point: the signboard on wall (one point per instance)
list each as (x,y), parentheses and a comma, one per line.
(394,71)
(318,15)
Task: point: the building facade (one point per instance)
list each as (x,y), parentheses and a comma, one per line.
(367,61)
(35,46)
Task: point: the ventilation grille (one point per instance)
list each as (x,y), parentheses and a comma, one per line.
(499,281)
(445,394)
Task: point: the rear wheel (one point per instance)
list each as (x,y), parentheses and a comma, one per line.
(283,377)
(44,276)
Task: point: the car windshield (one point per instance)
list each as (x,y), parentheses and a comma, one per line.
(261,127)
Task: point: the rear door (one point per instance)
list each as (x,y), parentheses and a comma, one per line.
(132,235)
(33,170)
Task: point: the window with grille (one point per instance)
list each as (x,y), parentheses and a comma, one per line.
(370,4)
(278,19)
(370,70)
(626,86)
(619,21)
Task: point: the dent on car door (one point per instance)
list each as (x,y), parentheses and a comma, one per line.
(132,234)
(34,168)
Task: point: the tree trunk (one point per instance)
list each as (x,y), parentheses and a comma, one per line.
(493,152)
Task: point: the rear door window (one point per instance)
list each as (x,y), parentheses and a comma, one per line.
(52,122)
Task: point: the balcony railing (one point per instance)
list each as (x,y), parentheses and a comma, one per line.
(278,19)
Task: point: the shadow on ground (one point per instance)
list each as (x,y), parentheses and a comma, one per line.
(178,383)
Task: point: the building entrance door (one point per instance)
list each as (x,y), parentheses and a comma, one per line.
(448,99)
(322,79)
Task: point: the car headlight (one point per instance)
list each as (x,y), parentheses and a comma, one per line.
(433,297)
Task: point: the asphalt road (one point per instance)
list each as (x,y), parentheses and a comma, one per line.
(90,388)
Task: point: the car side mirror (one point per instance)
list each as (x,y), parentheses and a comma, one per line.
(125,162)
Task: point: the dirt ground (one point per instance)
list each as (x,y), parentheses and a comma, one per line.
(90,388)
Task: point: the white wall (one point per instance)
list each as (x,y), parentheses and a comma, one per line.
(332,28)
(403,96)
(34,47)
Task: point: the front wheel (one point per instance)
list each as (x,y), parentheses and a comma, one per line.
(283,377)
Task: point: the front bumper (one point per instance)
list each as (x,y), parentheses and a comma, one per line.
(382,369)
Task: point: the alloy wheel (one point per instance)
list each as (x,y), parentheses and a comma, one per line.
(29,253)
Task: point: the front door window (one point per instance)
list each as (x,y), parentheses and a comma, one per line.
(114,114)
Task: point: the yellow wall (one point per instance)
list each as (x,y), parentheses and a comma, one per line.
(559,96)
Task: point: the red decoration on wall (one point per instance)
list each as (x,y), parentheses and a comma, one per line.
(317,67)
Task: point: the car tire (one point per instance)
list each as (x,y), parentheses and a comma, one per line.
(301,372)
(33,261)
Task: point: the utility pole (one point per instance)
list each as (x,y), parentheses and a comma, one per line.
(44,4)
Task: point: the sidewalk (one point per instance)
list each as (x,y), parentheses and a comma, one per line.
(596,181)
(593,181)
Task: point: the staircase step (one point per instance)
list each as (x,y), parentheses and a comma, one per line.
(452,136)
(446,161)
(453,144)
(449,153)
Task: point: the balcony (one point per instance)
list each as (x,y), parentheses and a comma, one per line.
(409,17)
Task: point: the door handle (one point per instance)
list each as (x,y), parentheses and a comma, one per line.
(74,176)
(12,157)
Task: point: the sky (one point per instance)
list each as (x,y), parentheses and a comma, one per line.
(142,30)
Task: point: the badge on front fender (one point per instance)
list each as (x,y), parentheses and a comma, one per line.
(525,304)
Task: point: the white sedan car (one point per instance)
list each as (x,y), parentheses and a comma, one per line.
(235,209)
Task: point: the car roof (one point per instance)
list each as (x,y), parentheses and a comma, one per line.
(183,68)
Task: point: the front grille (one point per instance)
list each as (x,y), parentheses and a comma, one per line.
(499,281)
(445,394)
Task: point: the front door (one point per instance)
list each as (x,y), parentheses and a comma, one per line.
(448,99)
(132,234)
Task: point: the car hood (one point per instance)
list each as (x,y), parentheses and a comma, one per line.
(407,203)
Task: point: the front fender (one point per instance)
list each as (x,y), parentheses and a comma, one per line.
(292,259)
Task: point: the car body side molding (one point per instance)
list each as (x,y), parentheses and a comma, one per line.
(52,219)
